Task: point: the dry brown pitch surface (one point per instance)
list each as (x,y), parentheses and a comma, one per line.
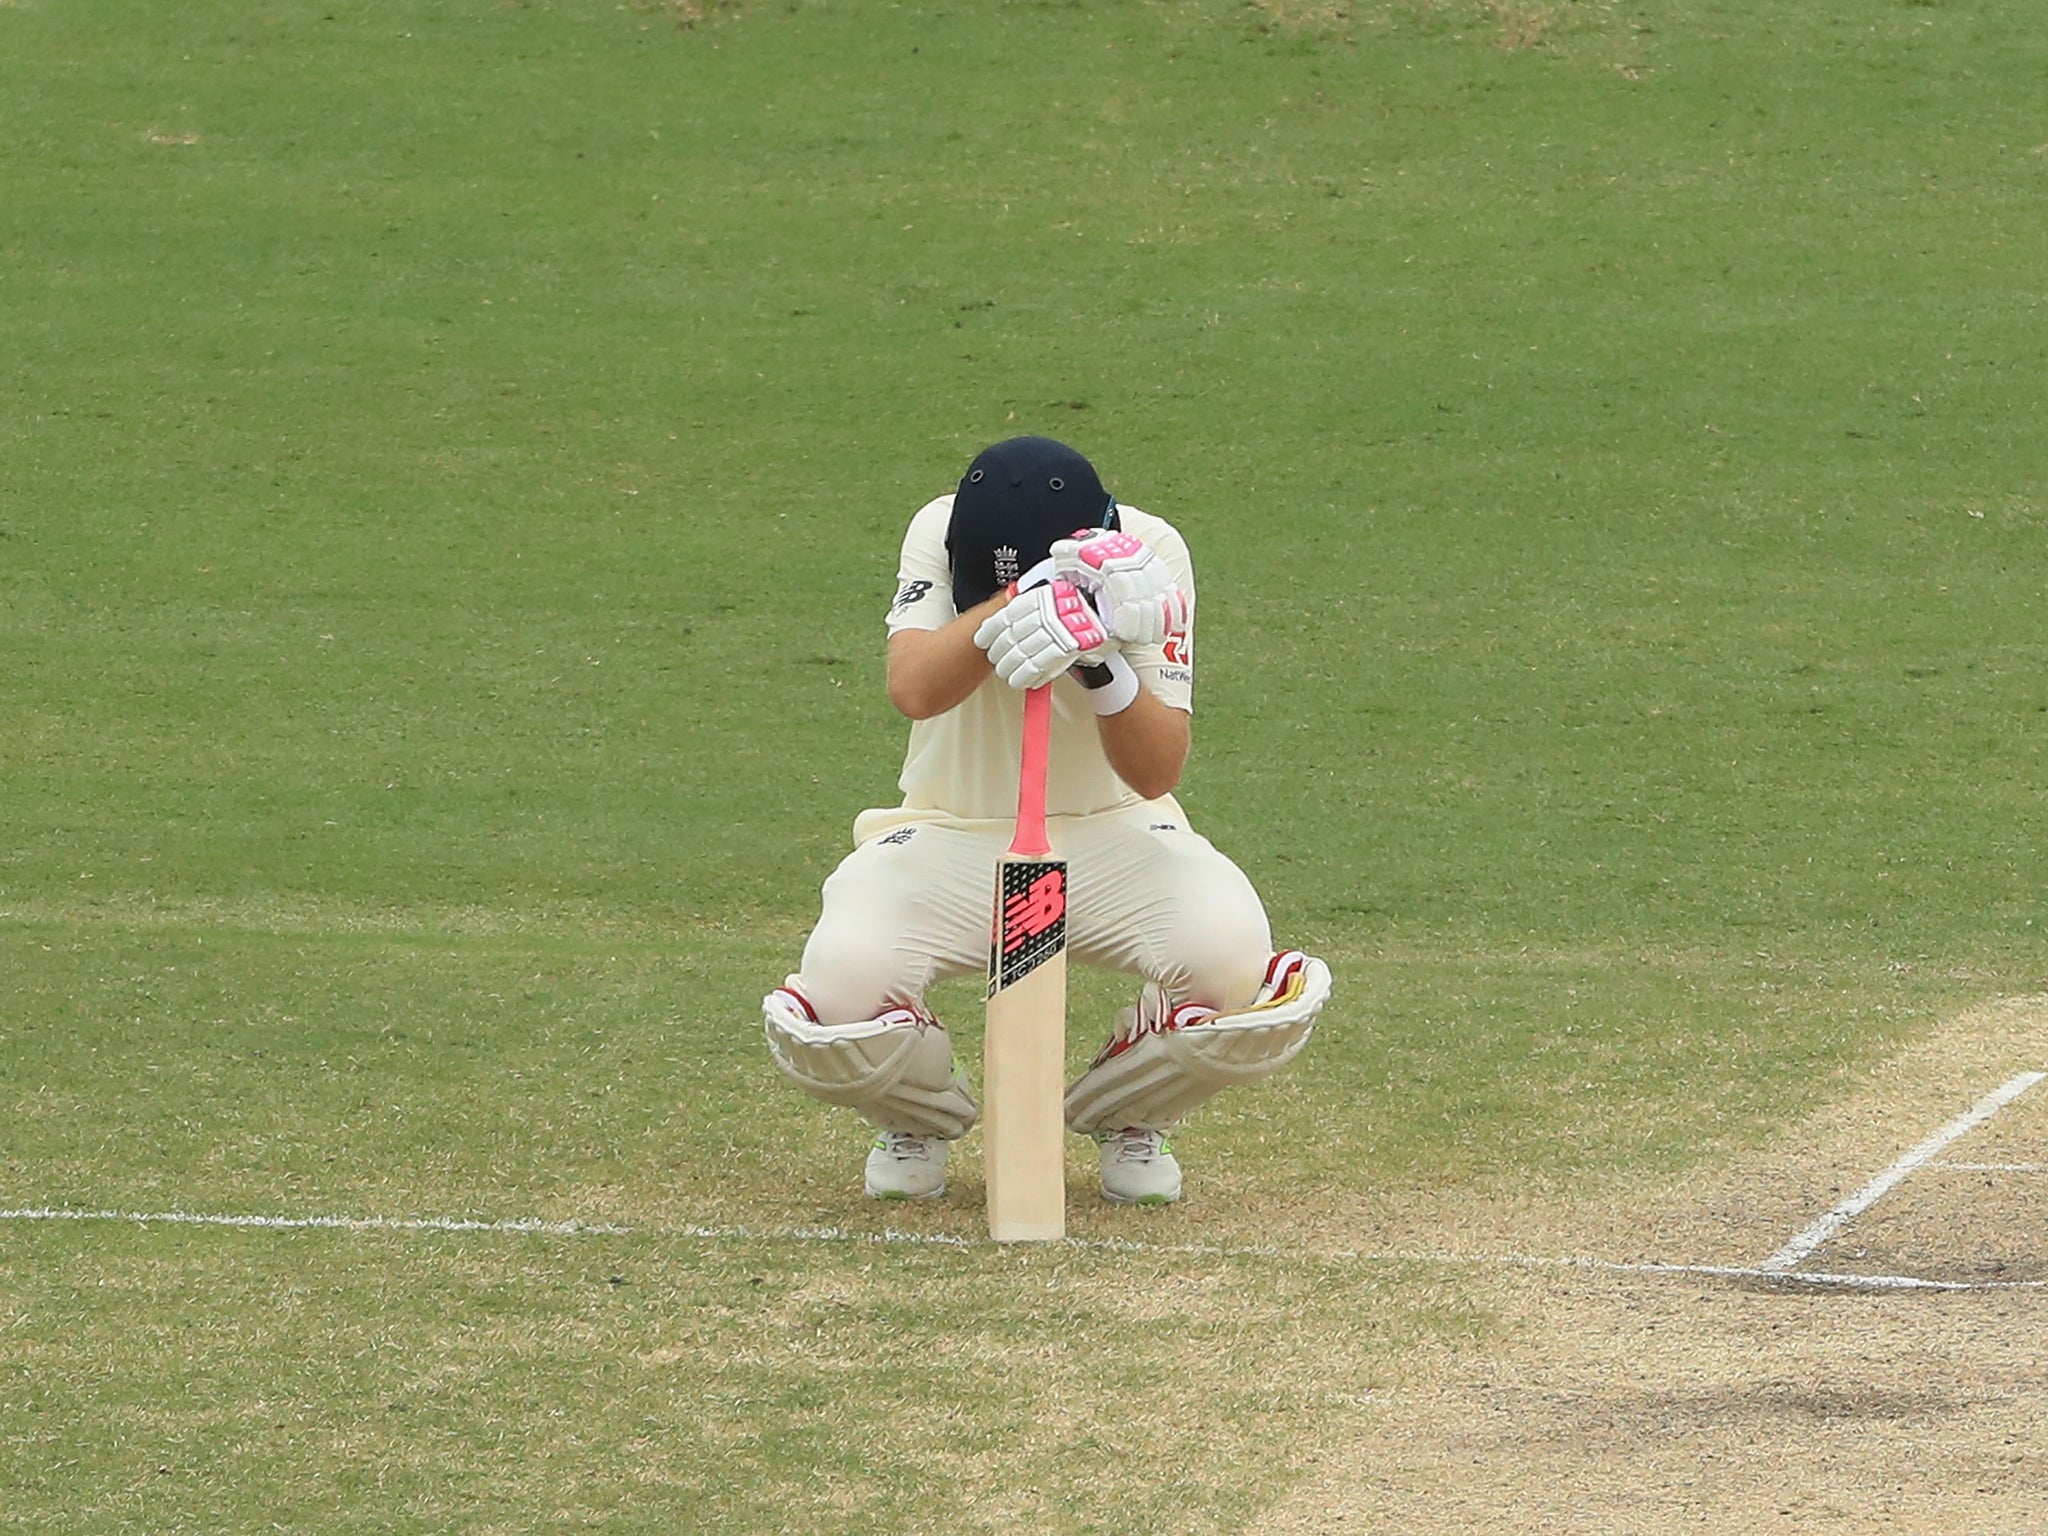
(1622,1401)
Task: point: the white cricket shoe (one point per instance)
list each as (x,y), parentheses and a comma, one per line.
(906,1166)
(1138,1167)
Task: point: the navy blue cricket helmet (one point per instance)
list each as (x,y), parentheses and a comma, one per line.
(1016,498)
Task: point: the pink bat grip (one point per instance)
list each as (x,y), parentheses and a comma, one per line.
(1031,840)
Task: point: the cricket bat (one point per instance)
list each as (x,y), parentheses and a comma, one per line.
(1023,1064)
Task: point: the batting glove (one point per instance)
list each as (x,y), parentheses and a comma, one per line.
(1037,635)
(1133,586)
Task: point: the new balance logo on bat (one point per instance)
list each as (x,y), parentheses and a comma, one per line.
(1034,910)
(1031,923)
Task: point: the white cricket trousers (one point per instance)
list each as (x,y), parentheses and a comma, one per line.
(1145,895)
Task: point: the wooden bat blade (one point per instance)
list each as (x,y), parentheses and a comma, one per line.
(1024,1053)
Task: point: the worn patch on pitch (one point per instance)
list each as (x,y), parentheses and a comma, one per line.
(1646,1402)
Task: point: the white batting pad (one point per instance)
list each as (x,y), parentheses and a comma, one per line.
(896,1070)
(1163,1061)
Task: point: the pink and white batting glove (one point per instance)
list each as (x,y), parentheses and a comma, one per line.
(1141,603)
(1038,634)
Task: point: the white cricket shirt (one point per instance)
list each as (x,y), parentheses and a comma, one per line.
(963,763)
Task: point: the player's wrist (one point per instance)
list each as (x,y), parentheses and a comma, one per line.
(1112,684)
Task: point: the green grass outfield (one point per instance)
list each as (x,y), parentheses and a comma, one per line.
(451,464)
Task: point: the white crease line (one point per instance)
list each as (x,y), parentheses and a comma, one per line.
(319,1223)
(887,1237)
(1815,1278)
(1827,1225)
